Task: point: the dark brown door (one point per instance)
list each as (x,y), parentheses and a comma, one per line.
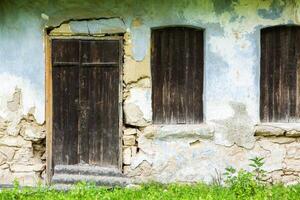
(86,77)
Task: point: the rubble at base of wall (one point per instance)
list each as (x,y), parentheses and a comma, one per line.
(22,151)
(162,155)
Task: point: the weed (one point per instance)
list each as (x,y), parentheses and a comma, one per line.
(238,185)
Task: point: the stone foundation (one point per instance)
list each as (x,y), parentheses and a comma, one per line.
(191,156)
(22,151)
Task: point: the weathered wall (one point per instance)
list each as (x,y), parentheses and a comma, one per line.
(231,86)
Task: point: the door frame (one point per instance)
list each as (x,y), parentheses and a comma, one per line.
(49,95)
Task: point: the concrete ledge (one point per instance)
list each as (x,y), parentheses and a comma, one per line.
(181,131)
(278,129)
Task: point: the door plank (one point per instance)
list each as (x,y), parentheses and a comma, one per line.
(65,115)
(101,143)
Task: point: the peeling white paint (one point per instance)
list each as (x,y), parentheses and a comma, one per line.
(31,98)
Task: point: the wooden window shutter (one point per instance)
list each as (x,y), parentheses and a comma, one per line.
(280,74)
(177,75)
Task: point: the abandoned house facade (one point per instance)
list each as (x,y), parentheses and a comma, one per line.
(152,90)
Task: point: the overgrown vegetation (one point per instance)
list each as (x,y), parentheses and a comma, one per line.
(238,185)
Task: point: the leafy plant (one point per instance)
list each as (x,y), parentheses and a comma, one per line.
(257,163)
(244,183)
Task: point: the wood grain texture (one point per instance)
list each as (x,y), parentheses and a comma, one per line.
(177,75)
(86,102)
(48,98)
(279,80)
(65,114)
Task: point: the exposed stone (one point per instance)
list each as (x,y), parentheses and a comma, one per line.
(129,140)
(126,169)
(33,133)
(6,176)
(14,141)
(267,130)
(30,118)
(140,158)
(286,126)
(133,115)
(150,131)
(137,107)
(282,140)
(130,131)
(24,156)
(286,172)
(275,157)
(293,133)
(292,164)
(293,151)
(44,175)
(146,144)
(4,166)
(278,129)
(2,159)
(144,170)
(2,134)
(16,153)
(8,152)
(28,178)
(43,156)
(138,133)
(133,151)
(39,149)
(127,156)
(3,126)
(27,168)
(290,180)
(13,129)
(275,176)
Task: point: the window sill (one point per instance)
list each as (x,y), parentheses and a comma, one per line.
(183,131)
(278,129)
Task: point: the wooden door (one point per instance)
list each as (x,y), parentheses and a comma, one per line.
(86,77)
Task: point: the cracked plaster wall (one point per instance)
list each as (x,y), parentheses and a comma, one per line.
(231,82)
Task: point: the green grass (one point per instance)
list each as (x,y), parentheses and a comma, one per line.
(155,191)
(239,185)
